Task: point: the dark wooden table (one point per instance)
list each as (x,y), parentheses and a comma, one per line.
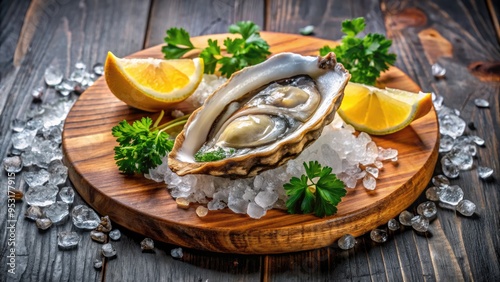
(463,36)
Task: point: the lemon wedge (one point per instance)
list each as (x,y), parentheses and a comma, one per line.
(382,111)
(152,84)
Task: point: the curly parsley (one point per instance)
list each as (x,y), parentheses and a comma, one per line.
(318,191)
(142,144)
(366,57)
(248,50)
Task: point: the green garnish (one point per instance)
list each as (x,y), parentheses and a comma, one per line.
(318,191)
(142,144)
(248,50)
(178,43)
(366,57)
(212,156)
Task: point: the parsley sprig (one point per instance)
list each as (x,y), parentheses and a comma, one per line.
(248,50)
(318,191)
(142,144)
(366,57)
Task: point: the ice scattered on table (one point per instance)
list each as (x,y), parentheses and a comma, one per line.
(53,76)
(57,212)
(13,164)
(459,149)
(37,93)
(58,172)
(432,193)
(80,65)
(481,103)
(346,242)
(349,156)
(437,100)
(449,169)
(23,139)
(427,209)
(176,253)
(97,263)
(420,223)
(66,86)
(307,30)
(484,172)
(379,235)
(405,218)
(67,194)
(77,82)
(461,157)
(440,180)
(445,144)
(115,234)
(98,69)
(84,217)
(33,213)
(43,223)
(68,239)
(17,125)
(451,125)
(393,224)
(108,250)
(41,195)
(476,139)
(147,244)
(451,195)
(438,71)
(466,207)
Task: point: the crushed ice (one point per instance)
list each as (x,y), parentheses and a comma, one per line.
(354,159)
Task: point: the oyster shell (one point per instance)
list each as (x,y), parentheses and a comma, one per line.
(262,116)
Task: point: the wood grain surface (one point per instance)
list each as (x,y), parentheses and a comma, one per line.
(147,208)
(35,34)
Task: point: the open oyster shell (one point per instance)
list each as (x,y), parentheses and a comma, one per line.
(266,114)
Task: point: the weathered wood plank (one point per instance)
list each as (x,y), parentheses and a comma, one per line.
(35,35)
(460,247)
(494,9)
(159,265)
(199,18)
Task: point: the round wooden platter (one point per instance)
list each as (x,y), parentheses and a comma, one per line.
(146,207)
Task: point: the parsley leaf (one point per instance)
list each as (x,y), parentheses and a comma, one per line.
(142,144)
(140,148)
(250,49)
(318,191)
(178,43)
(245,28)
(366,57)
(209,56)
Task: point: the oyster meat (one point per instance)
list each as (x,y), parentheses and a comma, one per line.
(262,116)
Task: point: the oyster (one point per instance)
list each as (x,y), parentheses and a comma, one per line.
(262,116)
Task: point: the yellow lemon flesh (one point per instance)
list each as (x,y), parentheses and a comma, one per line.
(152,84)
(382,111)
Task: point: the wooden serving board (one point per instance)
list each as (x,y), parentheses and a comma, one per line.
(146,207)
